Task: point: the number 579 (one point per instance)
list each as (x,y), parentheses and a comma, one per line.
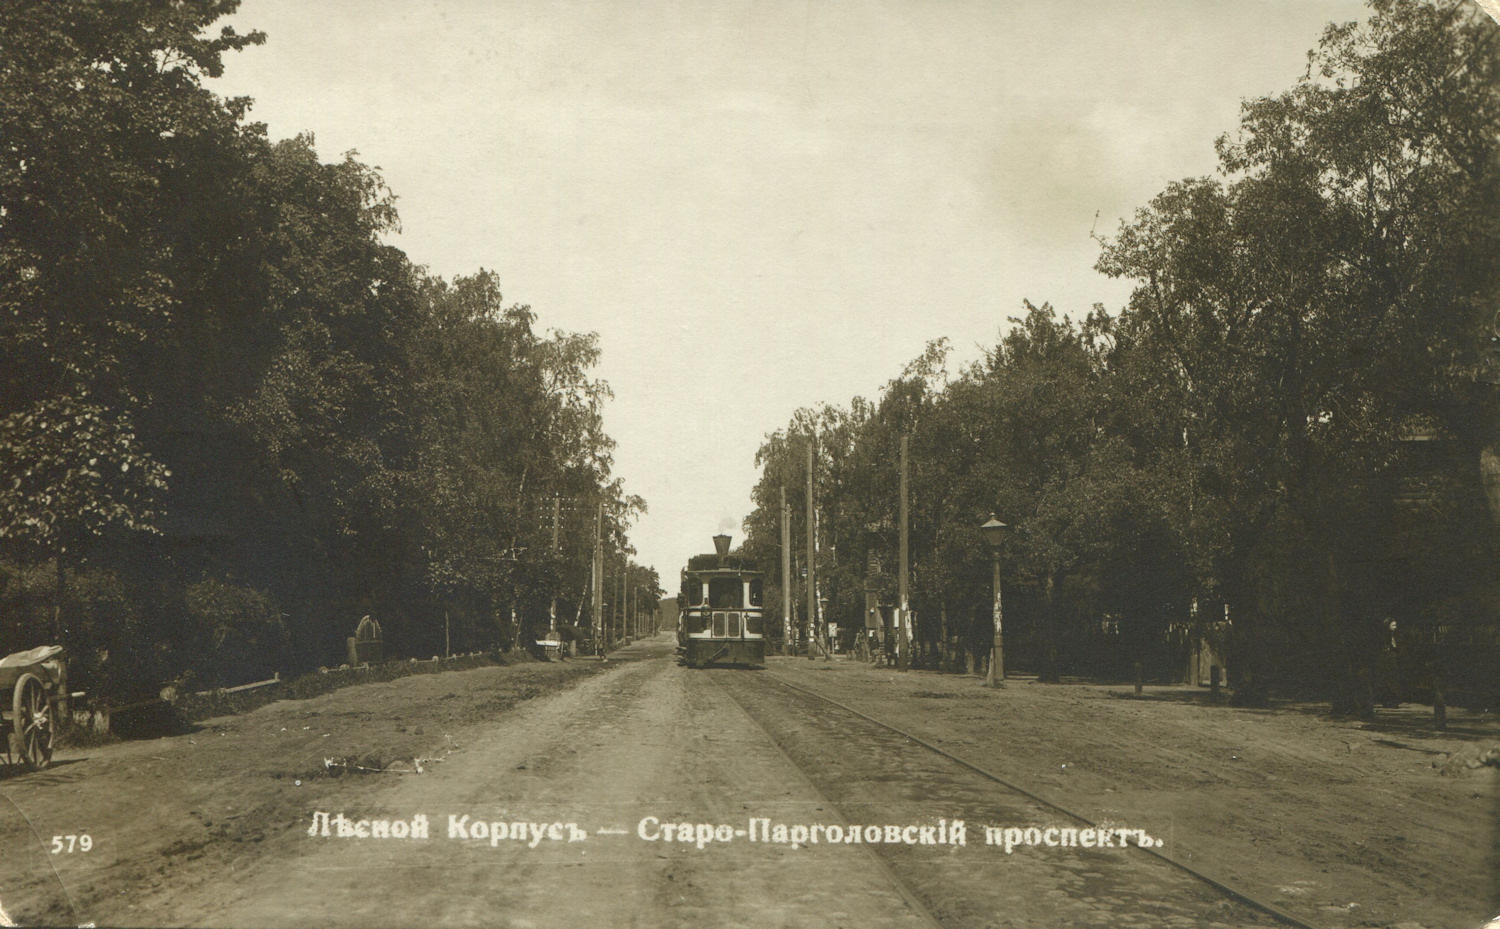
(80,843)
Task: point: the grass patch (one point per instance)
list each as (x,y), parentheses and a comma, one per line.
(196,707)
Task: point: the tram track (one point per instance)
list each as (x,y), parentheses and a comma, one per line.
(911,898)
(1233,896)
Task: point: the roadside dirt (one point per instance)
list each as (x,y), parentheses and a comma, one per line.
(170,814)
(212,828)
(1340,823)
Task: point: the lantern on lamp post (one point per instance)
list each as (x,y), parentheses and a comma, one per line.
(994,535)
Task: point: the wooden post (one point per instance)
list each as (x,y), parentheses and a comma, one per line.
(903,618)
(944,659)
(60,594)
(812,568)
(552,610)
(786,575)
(1049,630)
(598,585)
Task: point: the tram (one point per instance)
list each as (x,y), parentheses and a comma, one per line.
(721,617)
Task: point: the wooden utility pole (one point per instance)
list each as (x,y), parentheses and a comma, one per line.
(552,610)
(903,657)
(786,574)
(943,656)
(598,585)
(812,568)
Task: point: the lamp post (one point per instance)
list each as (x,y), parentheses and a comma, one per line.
(994,534)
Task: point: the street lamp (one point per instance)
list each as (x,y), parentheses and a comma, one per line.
(994,534)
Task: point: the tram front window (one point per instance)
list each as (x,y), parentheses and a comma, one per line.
(724,593)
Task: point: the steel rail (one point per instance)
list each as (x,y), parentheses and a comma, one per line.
(905,892)
(1241,896)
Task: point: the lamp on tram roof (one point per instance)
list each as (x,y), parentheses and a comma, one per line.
(721,544)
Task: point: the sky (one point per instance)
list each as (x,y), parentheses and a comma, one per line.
(761,205)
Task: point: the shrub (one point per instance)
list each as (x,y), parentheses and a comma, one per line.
(239,632)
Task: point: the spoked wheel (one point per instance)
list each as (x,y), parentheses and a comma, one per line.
(34,730)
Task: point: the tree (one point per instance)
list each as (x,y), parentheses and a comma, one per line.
(1320,303)
(99,104)
(224,392)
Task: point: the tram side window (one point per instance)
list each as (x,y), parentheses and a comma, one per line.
(724,593)
(757,590)
(692,589)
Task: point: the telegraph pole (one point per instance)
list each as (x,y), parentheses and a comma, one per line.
(786,574)
(598,585)
(812,571)
(904,642)
(552,610)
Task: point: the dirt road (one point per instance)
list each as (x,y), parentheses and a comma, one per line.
(601,768)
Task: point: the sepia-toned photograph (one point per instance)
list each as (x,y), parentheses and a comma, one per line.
(962,464)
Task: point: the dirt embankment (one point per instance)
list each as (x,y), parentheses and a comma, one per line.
(178,811)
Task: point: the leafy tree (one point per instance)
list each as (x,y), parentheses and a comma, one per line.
(225,395)
(1320,303)
(1285,417)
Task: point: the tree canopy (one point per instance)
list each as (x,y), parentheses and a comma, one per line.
(1288,417)
(230,403)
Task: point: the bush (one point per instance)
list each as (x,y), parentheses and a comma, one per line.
(112,655)
(239,632)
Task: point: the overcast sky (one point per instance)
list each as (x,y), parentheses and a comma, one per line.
(766,205)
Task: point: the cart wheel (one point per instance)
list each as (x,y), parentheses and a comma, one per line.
(33,725)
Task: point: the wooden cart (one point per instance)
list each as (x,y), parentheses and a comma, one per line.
(32,684)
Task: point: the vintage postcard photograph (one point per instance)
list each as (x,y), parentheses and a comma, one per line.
(759,463)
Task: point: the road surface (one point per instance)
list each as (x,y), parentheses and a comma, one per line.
(601,769)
